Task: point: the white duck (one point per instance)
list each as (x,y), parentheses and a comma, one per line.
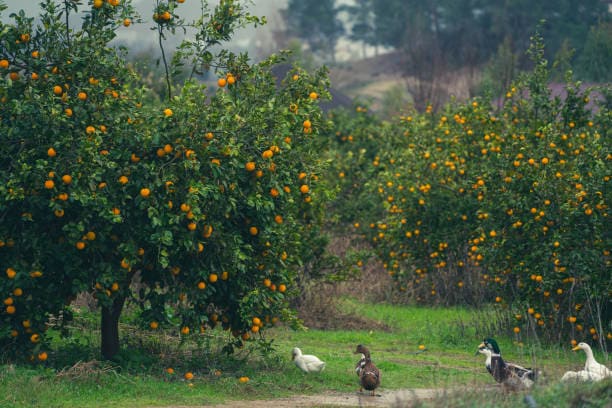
(307,362)
(594,369)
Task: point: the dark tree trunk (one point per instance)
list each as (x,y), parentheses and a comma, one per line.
(110,327)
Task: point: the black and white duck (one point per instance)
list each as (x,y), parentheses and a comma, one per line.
(369,374)
(509,375)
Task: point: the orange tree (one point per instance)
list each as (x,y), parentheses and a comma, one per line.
(198,209)
(473,205)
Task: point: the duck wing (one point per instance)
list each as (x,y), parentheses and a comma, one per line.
(521,372)
(313,363)
(497,369)
(369,376)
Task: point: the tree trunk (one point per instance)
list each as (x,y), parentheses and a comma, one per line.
(110,327)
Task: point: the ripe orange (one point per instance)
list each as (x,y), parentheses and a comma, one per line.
(67,178)
(170,370)
(49,184)
(267,282)
(10,309)
(212,278)
(313,95)
(243,379)
(98,3)
(282,288)
(192,226)
(18,292)
(14,76)
(224,275)
(90,129)
(82,96)
(278,219)
(307,124)
(202,285)
(250,166)
(256,321)
(57,90)
(267,154)
(253,231)
(35,338)
(188,375)
(255,329)
(168,112)
(154,325)
(4,64)
(304,189)
(10,273)
(42,356)
(51,152)
(231,80)
(222,82)
(185,330)
(127,22)
(80,245)
(145,192)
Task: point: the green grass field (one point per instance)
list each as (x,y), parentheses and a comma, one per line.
(450,337)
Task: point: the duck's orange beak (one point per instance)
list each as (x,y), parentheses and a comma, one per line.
(576,348)
(481,345)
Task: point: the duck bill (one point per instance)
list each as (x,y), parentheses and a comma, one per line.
(576,348)
(480,347)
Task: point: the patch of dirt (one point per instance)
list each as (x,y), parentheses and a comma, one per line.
(393,398)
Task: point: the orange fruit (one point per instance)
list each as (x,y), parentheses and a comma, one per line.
(14,76)
(90,129)
(10,273)
(282,288)
(49,184)
(222,82)
(313,95)
(278,219)
(42,356)
(185,330)
(304,189)
(57,90)
(250,166)
(212,278)
(256,321)
(253,231)
(517,330)
(10,309)
(154,325)
(35,338)
(255,329)
(224,275)
(80,245)
(267,154)
(18,292)
(67,178)
(51,152)
(307,124)
(145,192)
(231,80)
(170,370)
(4,64)
(98,3)
(243,379)
(188,376)
(168,112)
(127,22)
(192,226)
(267,282)
(202,285)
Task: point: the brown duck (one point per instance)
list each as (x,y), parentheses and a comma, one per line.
(369,374)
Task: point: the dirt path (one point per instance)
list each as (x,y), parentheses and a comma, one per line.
(391,398)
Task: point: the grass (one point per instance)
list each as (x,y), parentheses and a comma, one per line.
(450,336)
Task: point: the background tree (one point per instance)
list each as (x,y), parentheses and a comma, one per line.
(361,17)
(317,23)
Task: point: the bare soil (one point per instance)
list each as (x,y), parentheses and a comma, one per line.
(393,398)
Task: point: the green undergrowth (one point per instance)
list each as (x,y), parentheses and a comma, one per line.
(74,376)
